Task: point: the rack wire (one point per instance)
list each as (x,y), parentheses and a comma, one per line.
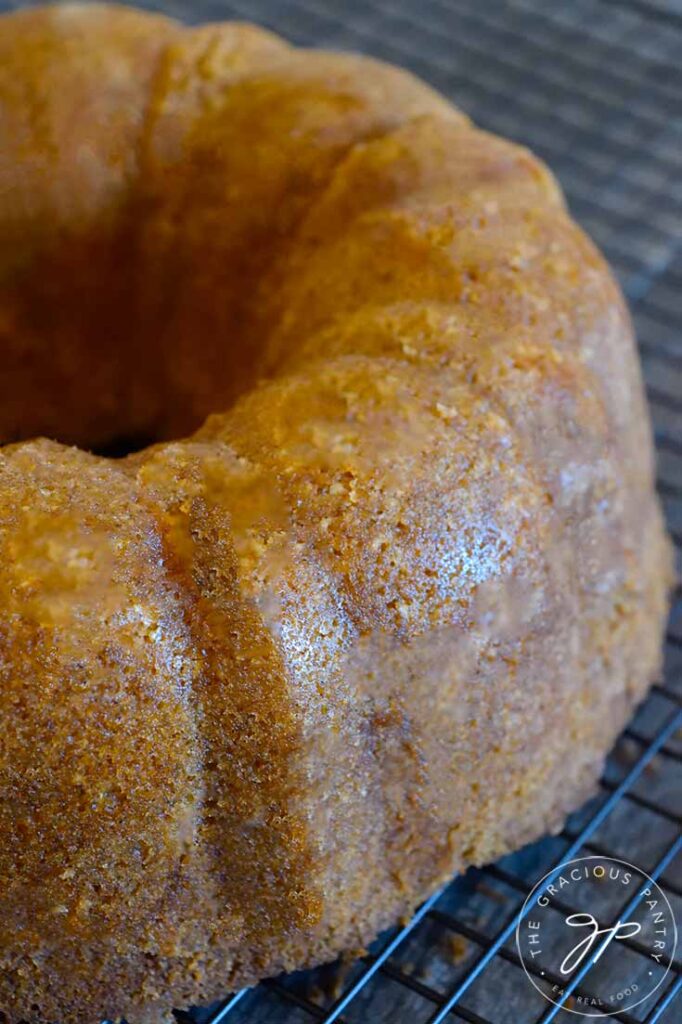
(594,87)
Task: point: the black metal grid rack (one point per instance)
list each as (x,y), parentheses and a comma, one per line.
(594,87)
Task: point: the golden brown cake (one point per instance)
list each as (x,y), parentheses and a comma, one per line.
(382,615)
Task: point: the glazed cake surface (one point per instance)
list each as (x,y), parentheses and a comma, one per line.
(392,577)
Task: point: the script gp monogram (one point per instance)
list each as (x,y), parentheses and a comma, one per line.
(620,930)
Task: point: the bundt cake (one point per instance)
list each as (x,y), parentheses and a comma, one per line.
(380,615)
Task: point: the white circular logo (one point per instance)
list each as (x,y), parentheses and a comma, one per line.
(575,916)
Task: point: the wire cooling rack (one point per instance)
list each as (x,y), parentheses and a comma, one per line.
(596,89)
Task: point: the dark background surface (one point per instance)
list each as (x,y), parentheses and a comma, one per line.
(594,87)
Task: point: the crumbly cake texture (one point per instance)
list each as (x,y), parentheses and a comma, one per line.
(263,689)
